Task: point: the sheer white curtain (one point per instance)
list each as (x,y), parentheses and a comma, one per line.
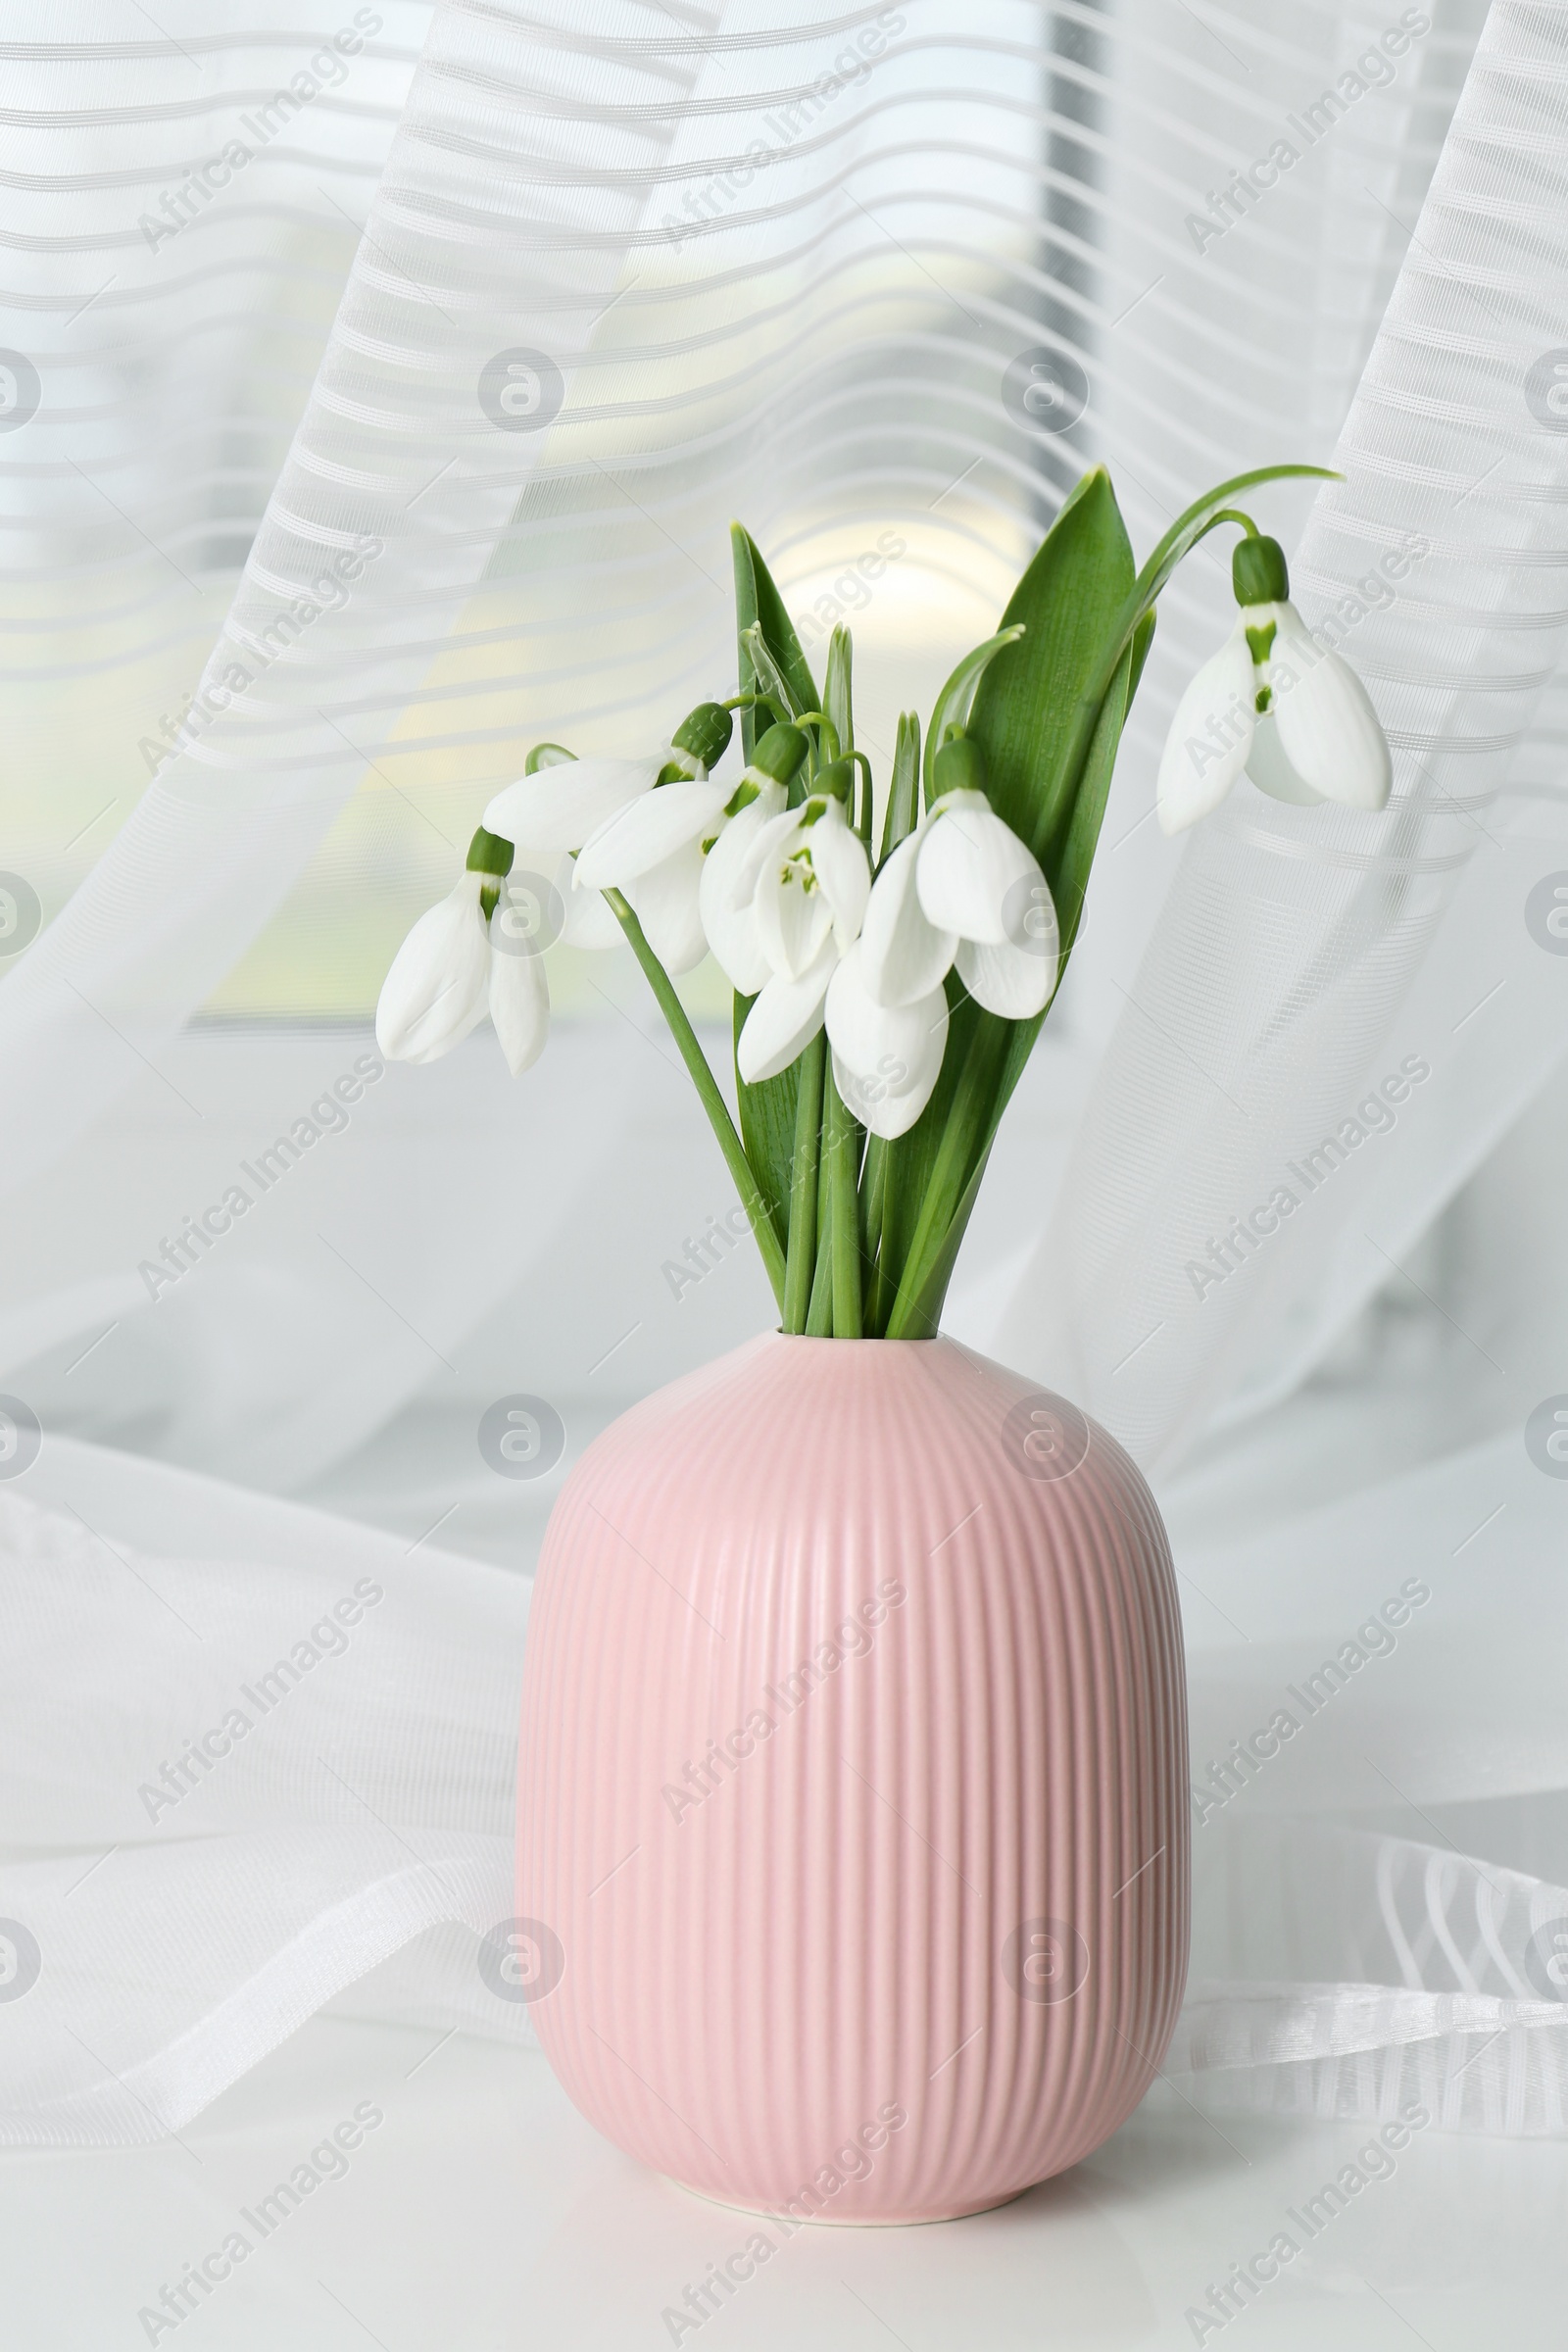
(335,482)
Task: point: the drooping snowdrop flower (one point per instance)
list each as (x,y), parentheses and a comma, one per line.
(886,1058)
(655,848)
(962,889)
(1274,702)
(813,881)
(978,882)
(438,987)
(480,950)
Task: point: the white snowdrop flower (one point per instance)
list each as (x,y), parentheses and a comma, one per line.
(813,881)
(1275,703)
(886,1058)
(812,886)
(439,985)
(977,881)
(962,889)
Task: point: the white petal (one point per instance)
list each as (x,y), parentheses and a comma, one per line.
(557,807)
(520,1007)
(784,1019)
(1014,982)
(971,868)
(841,867)
(1198,767)
(437,987)
(886,1058)
(903,955)
(794,912)
(666,900)
(728,886)
(589,920)
(529,911)
(1328,729)
(1272,772)
(647,831)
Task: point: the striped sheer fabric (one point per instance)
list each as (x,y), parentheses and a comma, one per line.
(1222,1222)
(356,438)
(778,266)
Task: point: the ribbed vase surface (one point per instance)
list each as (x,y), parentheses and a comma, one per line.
(853,1862)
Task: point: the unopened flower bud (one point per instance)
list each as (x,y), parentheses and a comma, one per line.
(705,732)
(777,755)
(1258,572)
(959,766)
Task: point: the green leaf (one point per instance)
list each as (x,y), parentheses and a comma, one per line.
(767,1130)
(757,599)
(1069,877)
(767,674)
(1054,795)
(921,1315)
(766,1111)
(1070,601)
(842,1140)
(1074,854)
(837,692)
(903,790)
(915,1161)
(800,1261)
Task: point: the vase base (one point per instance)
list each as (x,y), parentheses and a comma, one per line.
(831,2221)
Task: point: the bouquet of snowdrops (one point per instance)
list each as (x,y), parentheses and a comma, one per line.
(893,956)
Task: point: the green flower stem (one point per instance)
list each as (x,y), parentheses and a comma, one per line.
(866,789)
(844,1153)
(801,1258)
(873,1197)
(820,1315)
(707,1084)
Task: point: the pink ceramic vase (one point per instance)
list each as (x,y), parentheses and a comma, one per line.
(853,1855)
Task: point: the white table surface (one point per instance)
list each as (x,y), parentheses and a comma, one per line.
(484,2214)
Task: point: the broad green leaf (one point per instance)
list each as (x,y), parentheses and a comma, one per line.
(766,1111)
(992,1052)
(1075,854)
(1069,601)
(1022,716)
